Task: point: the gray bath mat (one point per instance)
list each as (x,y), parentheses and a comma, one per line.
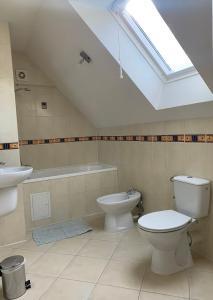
(58,232)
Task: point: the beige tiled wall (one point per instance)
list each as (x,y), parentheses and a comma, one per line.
(60,120)
(72,197)
(148,166)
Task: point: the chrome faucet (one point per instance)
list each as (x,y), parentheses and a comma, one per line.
(131,191)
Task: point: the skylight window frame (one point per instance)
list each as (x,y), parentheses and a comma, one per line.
(154,57)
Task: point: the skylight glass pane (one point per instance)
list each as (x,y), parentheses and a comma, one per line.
(149,19)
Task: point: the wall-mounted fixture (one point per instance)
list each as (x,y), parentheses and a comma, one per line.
(21,75)
(85,57)
(44,105)
(40,206)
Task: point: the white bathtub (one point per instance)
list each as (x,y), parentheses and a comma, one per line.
(60,172)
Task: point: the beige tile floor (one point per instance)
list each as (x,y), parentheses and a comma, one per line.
(106,266)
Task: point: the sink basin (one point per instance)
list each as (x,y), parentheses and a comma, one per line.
(10,177)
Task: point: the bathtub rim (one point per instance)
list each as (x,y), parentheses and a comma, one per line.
(80,173)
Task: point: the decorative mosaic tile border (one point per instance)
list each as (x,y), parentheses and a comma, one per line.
(179,138)
(59,140)
(9,146)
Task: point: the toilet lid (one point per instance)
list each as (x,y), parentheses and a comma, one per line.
(163,221)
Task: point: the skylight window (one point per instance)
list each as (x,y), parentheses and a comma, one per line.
(148,24)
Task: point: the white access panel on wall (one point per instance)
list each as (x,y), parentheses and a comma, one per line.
(40,206)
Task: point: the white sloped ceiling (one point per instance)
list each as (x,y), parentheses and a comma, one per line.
(54,42)
(191,22)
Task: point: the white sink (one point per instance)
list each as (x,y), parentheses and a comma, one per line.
(10,177)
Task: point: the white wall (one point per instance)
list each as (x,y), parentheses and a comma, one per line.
(8,119)
(13,225)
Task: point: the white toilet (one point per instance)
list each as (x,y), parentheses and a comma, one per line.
(167,230)
(117,208)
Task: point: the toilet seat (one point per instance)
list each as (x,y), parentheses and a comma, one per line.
(164,221)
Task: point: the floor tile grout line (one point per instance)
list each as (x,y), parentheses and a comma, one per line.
(41,254)
(34,261)
(95,284)
(49,287)
(29,272)
(118,243)
(188,280)
(66,266)
(50,276)
(109,259)
(35,251)
(49,250)
(68,279)
(171,295)
(100,241)
(77,254)
(142,282)
(163,294)
(116,286)
(56,278)
(78,280)
(73,256)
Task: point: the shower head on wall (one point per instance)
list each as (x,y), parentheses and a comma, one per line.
(22,89)
(85,57)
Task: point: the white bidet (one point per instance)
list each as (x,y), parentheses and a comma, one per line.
(117,208)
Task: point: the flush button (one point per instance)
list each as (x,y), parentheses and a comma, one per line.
(189,177)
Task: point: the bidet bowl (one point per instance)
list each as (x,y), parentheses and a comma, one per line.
(117,208)
(118,203)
